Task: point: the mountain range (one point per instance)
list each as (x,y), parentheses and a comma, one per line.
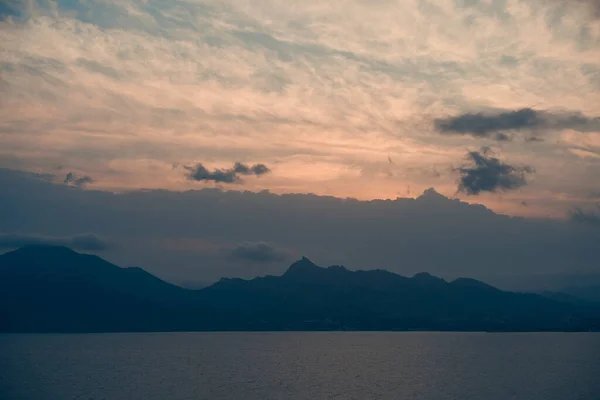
(55,289)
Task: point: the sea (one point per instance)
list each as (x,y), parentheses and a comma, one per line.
(301,365)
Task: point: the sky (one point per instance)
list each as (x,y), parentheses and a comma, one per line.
(489,102)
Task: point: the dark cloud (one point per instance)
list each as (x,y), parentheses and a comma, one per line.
(488,174)
(86,241)
(482,125)
(75,180)
(199,172)
(257,252)
(585,216)
(260,169)
(495,125)
(241,168)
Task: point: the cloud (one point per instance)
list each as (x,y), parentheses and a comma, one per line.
(359,234)
(199,172)
(580,215)
(585,153)
(256,169)
(98,86)
(489,174)
(494,125)
(593,4)
(481,125)
(260,252)
(533,139)
(85,241)
(75,180)
(10,8)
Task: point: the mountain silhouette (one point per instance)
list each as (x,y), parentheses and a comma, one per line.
(55,289)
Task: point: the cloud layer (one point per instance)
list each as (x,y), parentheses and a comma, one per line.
(202,235)
(86,241)
(259,252)
(586,216)
(321,93)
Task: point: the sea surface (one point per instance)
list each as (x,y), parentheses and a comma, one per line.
(301,365)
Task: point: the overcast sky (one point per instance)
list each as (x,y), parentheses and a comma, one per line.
(493,102)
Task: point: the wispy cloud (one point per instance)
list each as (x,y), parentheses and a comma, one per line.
(119,90)
(10,8)
(594,5)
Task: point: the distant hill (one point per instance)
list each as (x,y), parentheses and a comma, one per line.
(589,293)
(54,289)
(47,288)
(566,298)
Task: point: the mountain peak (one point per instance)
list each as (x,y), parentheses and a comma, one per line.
(304,262)
(302,267)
